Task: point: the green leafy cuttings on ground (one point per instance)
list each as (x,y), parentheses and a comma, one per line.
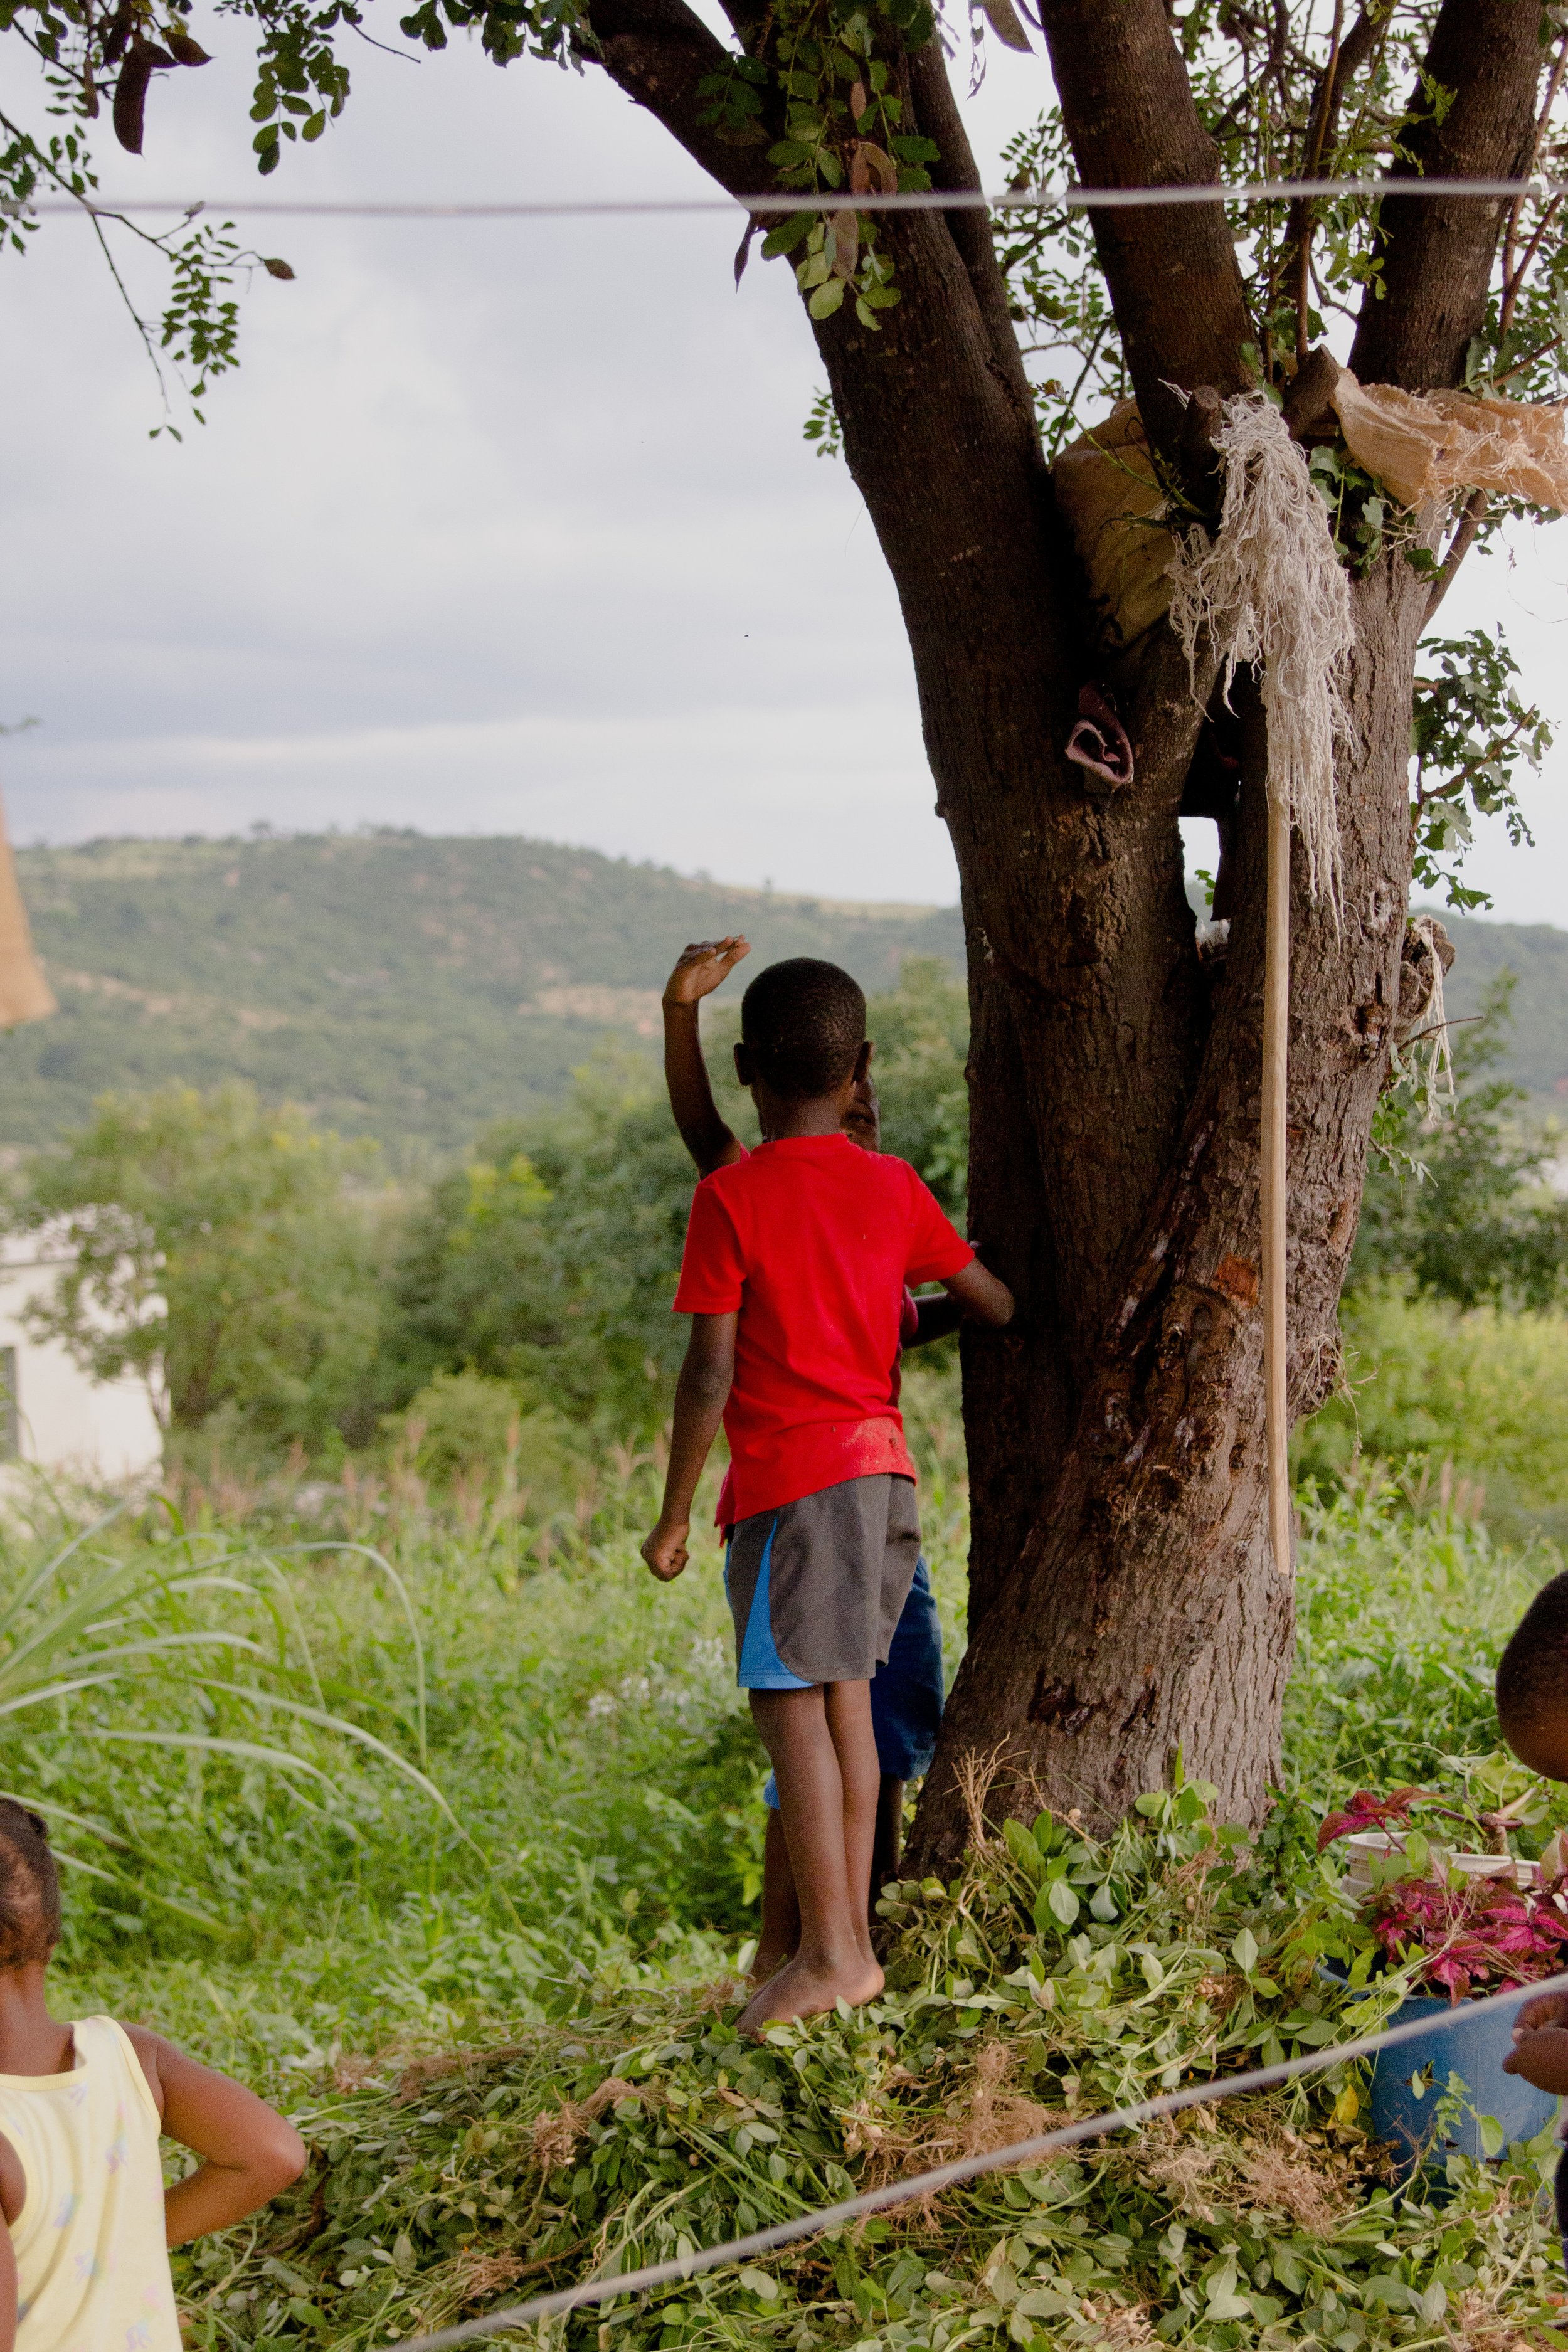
(1056,1977)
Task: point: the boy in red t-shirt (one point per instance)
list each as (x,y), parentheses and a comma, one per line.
(797,1260)
(909,1687)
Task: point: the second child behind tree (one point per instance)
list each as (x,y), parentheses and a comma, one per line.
(796,1261)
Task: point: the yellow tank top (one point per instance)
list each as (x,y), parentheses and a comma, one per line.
(92,2268)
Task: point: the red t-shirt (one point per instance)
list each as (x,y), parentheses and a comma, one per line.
(813,1242)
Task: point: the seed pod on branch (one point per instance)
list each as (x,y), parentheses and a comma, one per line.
(118,32)
(870,166)
(1004,21)
(844,229)
(275,267)
(142,58)
(185,51)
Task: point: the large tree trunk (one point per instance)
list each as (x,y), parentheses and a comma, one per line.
(1146,1614)
(1124,1603)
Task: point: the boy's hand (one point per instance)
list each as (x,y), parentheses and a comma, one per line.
(665,1551)
(701,965)
(1542,2056)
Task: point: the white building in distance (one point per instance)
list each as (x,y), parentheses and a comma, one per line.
(53,1414)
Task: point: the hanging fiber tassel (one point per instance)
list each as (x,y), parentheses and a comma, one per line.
(1269,591)
(1441,1090)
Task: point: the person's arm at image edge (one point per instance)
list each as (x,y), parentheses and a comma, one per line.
(701,1393)
(249,2152)
(13,2193)
(712,1142)
(1540,2052)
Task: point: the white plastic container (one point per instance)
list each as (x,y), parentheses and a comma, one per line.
(1366,1843)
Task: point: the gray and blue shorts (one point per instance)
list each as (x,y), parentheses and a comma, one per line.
(816,1587)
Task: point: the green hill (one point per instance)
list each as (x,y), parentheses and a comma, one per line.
(417,988)
(400,986)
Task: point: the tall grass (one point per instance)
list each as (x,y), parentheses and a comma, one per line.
(583,1724)
(1401,1619)
(1485,1391)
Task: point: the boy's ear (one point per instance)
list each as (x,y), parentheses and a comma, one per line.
(863,1062)
(743,1070)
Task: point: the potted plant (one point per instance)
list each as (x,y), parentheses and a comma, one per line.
(1438,1897)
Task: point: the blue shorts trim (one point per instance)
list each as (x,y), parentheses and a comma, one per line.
(762,1668)
(908,1693)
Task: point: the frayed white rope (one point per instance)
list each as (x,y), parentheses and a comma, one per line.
(1441,1090)
(1270,591)
(675,2272)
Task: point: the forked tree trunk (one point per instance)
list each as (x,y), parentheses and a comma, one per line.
(1125,1603)
(1146,1614)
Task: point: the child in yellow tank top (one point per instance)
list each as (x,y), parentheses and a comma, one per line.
(84,2260)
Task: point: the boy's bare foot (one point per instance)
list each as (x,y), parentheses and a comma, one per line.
(768,1959)
(801,1989)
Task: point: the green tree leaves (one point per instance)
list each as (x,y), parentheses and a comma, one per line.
(1470,729)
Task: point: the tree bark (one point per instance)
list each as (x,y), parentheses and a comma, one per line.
(1123,1599)
(1436,252)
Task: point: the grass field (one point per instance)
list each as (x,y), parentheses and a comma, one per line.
(591,1861)
(583,1726)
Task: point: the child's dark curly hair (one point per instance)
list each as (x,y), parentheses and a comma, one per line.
(805,1023)
(29,1888)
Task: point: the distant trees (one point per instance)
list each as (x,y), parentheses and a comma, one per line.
(224,1251)
(272,1286)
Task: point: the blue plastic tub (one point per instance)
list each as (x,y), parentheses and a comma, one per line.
(1473,2049)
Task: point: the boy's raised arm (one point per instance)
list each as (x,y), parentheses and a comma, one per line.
(700,1395)
(699,970)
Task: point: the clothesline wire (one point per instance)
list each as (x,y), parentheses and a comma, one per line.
(681,2268)
(1063,198)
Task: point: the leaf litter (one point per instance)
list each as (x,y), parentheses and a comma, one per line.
(1057,1977)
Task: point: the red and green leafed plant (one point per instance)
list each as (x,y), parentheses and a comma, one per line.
(1476,1937)
(1464,1934)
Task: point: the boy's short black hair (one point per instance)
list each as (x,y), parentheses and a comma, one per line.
(1533,1672)
(29,1888)
(804,1021)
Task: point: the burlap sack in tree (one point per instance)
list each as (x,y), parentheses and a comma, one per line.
(25,993)
(1106,487)
(1427,445)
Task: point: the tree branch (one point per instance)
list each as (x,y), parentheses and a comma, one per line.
(940,119)
(1459,546)
(1346,60)
(1437,251)
(1174,282)
(657,51)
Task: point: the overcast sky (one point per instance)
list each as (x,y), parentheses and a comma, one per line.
(501,526)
